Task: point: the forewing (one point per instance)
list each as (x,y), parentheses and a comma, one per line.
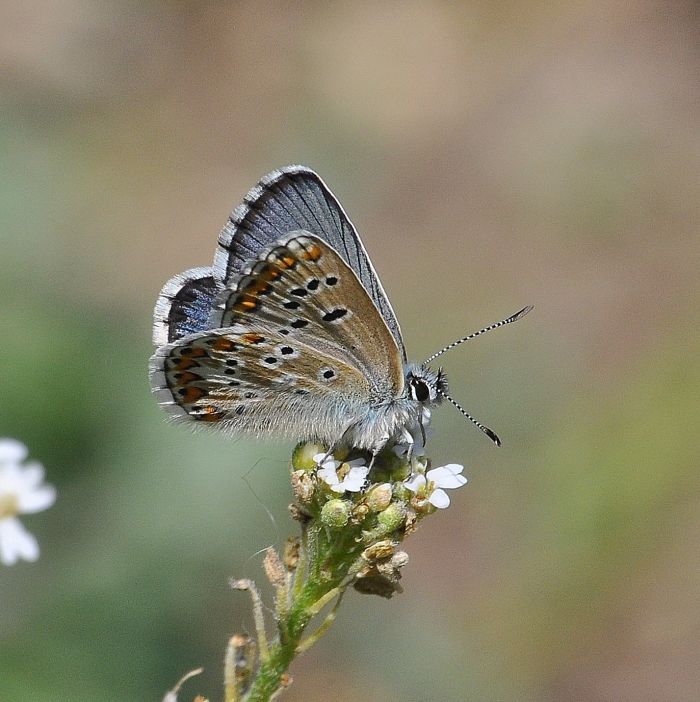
(247,379)
(291,199)
(303,290)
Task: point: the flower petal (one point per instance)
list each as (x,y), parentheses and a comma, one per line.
(12,451)
(32,475)
(16,542)
(415,482)
(326,460)
(447,476)
(328,475)
(355,479)
(439,498)
(36,500)
(11,481)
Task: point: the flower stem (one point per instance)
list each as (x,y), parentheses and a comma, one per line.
(321,581)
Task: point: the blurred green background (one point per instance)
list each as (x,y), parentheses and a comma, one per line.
(491,155)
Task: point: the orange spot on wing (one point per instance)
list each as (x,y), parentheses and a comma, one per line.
(313,253)
(185,363)
(211,414)
(252,338)
(224,344)
(256,287)
(267,272)
(287,261)
(192,394)
(187,377)
(245,303)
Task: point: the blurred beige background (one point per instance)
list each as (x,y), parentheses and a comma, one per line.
(491,155)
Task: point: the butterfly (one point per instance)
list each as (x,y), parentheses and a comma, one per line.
(290,333)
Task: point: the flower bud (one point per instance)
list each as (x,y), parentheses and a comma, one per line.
(392,517)
(391,567)
(303,486)
(239,662)
(379,497)
(419,464)
(291,553)
(379,550)
(375,584)
(335,513)
(303,456)
(359,512)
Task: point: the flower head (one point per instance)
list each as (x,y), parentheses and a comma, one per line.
(432,485)
(21,492)
(341,476)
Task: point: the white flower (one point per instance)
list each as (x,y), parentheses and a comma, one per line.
(354,476)
(21,492)
(432,484)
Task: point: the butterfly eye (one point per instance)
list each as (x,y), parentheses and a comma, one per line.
(420,391)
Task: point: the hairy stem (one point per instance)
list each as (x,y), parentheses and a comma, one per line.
(315,586)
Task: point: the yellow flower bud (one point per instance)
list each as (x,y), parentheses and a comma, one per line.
(379,497)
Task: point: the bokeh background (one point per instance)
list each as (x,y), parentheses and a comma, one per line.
(491,155)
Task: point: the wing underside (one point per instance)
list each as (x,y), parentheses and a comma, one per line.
(296,347)
(291,199)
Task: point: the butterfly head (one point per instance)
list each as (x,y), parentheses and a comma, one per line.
(425,385)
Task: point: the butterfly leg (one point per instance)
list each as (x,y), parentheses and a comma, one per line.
(407,439)
(377,447)
(343,440)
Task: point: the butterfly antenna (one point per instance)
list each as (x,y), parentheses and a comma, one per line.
(489,432)
(508,320)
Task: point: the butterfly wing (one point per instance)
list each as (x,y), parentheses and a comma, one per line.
(302,351)
(240,380)
(291,199)
(303,288)
(184,305)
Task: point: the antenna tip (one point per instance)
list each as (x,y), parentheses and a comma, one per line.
(492,435)
(519,315)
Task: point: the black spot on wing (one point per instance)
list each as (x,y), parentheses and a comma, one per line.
(334,315)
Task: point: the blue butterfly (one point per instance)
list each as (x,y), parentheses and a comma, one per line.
(290,333)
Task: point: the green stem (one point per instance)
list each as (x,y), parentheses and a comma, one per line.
(325,625)
(327,569)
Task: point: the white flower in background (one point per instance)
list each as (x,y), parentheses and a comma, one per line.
(21,492)
(354,476)
(433,484)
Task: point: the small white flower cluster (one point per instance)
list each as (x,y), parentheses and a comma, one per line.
(353,480)
(352,477)
(433,484)
(21,492)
